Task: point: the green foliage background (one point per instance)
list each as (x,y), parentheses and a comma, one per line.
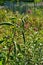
(21,37)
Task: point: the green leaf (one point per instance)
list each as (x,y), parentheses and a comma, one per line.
(13,18)
(0,62)
(15,48)
(37,0)
(6,23)
(1,41)
(18,46)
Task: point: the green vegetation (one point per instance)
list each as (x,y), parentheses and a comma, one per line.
(21,37)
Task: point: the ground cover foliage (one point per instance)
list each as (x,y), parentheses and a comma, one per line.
(21,37)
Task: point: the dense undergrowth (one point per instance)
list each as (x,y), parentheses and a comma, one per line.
(21,37)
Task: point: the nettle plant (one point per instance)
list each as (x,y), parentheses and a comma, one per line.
(27,52)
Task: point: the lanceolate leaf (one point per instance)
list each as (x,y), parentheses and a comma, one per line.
(6,23)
